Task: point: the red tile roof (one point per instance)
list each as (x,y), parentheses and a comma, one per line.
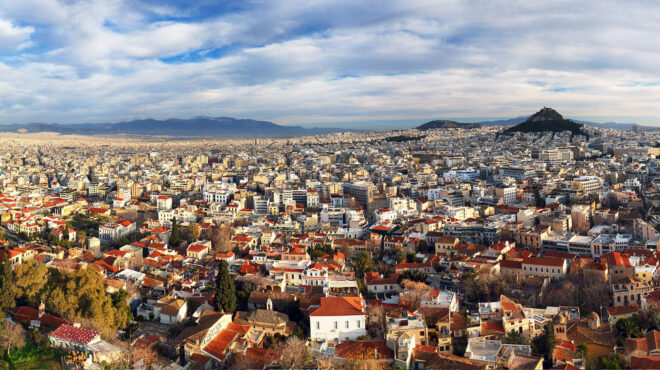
(74,335)
(217,347)
(543,261)
(340,306)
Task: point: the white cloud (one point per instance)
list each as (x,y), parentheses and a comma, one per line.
(12,37)
(327,61)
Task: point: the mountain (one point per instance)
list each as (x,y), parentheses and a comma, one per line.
(547,120)
(193,127)
(504,122)
(446,124)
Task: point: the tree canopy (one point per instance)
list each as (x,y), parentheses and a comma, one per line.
(225,291)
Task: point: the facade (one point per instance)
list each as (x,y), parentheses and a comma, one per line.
(338,319)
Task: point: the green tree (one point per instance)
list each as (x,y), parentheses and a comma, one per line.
(7,287)
(413,275)
(175,236)
(123,314)
(538,200)
(362,264)
(422,246)
(514,337)
(225,291)
(613,361)
(545,345)
(582,350)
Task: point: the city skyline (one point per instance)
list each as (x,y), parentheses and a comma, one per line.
(327,64)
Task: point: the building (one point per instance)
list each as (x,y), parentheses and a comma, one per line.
(170,310)
(338,319)
(555,268)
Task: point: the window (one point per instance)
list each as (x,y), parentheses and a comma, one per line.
(346,324)
(336,325)
(318,325)
(359,324)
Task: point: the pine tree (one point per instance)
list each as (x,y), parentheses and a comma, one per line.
(175,238)
(225,291)
(7,286)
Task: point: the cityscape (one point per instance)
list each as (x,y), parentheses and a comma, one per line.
(250,185)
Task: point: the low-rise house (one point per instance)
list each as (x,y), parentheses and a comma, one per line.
(338,319)
(198,250)
(225,337)
(170,310)
(615,313)
(629,291)
(554,268)
(85,340)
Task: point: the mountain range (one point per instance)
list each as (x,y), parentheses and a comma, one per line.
(194,127)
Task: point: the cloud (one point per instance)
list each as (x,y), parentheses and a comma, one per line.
(12,37)
(298,62)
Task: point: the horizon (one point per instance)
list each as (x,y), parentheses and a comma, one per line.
(380,125)
(327,63)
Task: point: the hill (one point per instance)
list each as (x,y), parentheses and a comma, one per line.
(446,124)
(194,127)
(547,120)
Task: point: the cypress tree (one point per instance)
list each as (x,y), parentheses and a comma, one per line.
(225,291)
(175,238)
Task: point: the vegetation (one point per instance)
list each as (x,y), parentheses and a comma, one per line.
(77,296)
(613,361)
(544,345)
(7,286)
(414,275)
(446,124)
(402,138)
(514,337)
(547,120)
(225,291)
(363,264)
(634,327)
(175,236)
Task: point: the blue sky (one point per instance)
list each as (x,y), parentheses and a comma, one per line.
(368,63)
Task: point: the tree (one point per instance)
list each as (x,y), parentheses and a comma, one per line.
(225,291)
(362,264)
(82,237)
(146,354)
(30,280)
(12,336)
(613,361)
(413,295)
(194,230)
(376,322)
(538,200)
(175,236)
(123,314)
(294,354)
(582,350)
(7,287)
(514,337)
(544,345)
(220,238)
(414,275)
(422,246)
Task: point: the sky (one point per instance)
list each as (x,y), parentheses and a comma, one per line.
(361,64)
